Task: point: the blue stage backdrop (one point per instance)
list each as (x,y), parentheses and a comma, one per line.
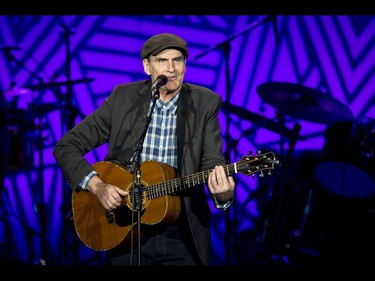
(286,81)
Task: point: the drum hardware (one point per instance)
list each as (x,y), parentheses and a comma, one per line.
(15,92)
(18,135)
(35,113)
(259,120)
(298,102)
(304,103)
(348,159)
(279,127)
(347,164)
(43,108)
(68,117)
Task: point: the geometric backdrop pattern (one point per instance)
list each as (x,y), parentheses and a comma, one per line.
(260,65)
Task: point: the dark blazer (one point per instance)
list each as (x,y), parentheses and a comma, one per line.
(119,121)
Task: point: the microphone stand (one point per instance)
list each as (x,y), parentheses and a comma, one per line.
(225,46)
(135,169)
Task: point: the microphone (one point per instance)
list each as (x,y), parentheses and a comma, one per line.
(9,48)
(161,80)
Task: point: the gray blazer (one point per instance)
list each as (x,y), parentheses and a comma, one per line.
(119,121)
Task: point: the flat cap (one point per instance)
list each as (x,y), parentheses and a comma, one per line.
(160,42)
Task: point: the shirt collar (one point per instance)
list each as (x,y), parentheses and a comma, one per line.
(171,105)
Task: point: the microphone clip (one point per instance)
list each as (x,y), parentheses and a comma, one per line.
(155,93)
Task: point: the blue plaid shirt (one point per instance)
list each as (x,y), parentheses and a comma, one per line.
(161,141)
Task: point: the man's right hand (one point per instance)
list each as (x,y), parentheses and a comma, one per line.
(109,196)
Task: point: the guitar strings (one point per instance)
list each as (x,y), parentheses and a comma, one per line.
(173,185)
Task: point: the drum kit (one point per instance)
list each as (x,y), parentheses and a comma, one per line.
(298,212)
(347,165)
(19,127)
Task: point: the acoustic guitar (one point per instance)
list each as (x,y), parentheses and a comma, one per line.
(101,229)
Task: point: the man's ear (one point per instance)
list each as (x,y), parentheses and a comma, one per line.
(146,67)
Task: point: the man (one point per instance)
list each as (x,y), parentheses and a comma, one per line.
(179,124)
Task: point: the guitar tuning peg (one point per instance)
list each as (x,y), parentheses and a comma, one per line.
(253,176)
(261,174)
(269,173)
(250,152)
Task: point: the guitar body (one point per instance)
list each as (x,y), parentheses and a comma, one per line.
(100,230)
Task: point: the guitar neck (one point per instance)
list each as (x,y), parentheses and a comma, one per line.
(178,184)
(247,165)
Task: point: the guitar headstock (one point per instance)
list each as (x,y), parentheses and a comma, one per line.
(251,164)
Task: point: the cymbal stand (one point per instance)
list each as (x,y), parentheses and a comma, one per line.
(68,119)
(280,193)
(280,217)
(41,206)
(225,46)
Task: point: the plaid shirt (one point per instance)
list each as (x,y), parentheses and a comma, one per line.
(161,141)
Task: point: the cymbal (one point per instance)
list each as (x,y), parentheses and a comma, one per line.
(44,108)
(17,92)
(258,120)
(304,103)
(59,83)
(7,110)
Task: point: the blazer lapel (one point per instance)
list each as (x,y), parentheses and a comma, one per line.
(185,122)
